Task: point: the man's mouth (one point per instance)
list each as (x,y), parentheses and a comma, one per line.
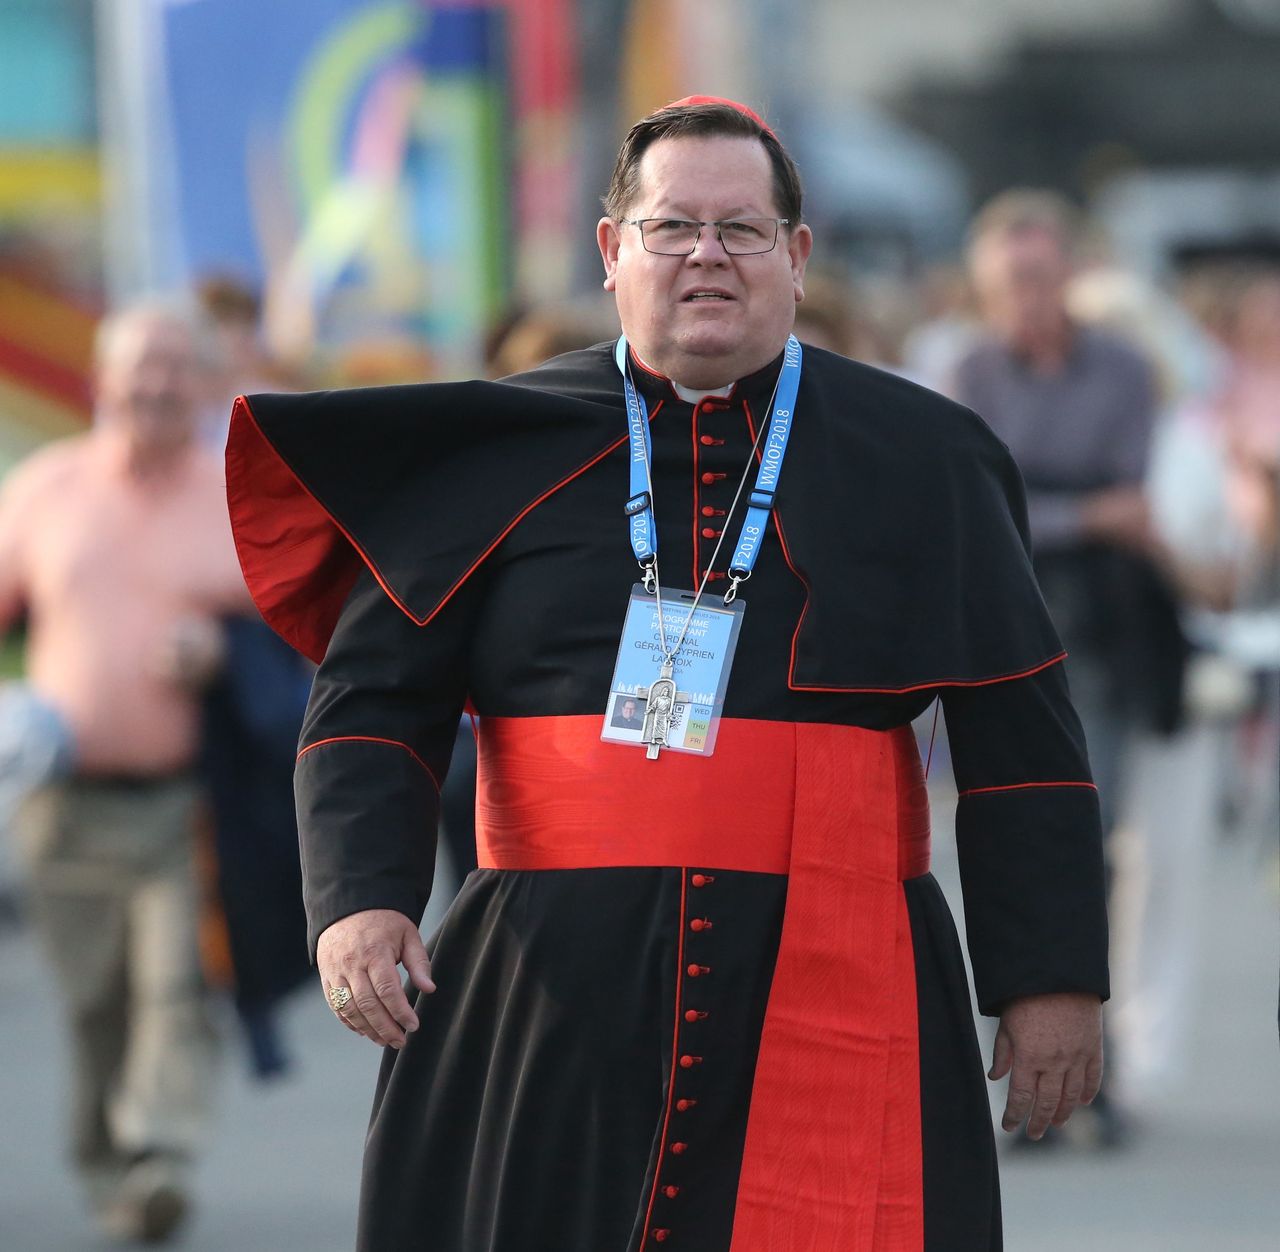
(706,295)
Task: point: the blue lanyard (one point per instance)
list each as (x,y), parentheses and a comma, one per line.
(639,507)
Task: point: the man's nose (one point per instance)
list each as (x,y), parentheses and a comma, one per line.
(708,249)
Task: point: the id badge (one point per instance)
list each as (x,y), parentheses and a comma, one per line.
(689,721)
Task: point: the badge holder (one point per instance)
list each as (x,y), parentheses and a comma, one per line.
(679,711)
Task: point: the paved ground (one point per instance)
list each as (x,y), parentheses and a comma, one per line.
(1203,1175)
(1203,1171)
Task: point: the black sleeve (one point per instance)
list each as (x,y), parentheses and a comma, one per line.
(375,747)
(1029,840)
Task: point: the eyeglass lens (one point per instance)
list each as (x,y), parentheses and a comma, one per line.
(740,237)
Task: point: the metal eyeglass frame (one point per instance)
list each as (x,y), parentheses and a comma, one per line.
(639,223)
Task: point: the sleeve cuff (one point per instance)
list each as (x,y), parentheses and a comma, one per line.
(367,814)
(1034,887)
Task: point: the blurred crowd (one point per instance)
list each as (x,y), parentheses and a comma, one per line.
(145,757)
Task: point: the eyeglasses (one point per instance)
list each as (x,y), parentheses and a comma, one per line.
(673,236)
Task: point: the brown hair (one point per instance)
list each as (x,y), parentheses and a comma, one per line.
(547,331)
(700,121)
(1029,209)
(226,299)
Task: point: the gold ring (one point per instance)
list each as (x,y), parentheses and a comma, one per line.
(339,998)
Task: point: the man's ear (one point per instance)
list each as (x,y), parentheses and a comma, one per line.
(798,247)
(608,240)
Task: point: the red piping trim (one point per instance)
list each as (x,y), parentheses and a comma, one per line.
(653,373)
(979,791)
(940,682)
(675,395)
(524,512)
(395,743)
(675,1047)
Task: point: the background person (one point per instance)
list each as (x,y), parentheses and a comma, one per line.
(1076,407)
(116,546)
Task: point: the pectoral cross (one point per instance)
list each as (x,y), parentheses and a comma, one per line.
(660,699)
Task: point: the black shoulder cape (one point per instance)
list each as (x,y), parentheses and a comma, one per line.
(902,514)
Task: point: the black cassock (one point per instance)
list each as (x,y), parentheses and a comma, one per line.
(707,1003)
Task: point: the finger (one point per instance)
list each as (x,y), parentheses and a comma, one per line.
(1092,1078)
(1048,1097)
(1021,1098)
(1001,1056)
(417,964)
(348,1015)
(1072,1090)
(354,1020)
(351,1017)
(355,1030)
(390,991)
(381,1026)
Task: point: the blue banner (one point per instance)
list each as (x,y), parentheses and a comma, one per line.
(344,154)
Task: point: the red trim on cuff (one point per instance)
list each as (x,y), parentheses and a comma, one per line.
(980,791)
(395,743)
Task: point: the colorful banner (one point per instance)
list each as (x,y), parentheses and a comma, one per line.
(348,156)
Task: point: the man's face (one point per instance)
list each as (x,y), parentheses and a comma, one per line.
(150,383)
(1020,279)
(708,318)
(628,709)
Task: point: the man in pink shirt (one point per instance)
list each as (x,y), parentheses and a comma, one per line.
(116,546)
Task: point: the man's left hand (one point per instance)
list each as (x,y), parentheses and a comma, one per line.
(1051,1048)
(191,653)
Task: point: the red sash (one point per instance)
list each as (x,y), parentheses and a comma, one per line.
(832,1161)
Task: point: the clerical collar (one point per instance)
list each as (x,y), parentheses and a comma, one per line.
(755,388)
(693,396)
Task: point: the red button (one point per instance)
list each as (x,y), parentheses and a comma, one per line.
(671,1192)
(688,1062)
(708,533)
(693,1015)
(708,479)
(660,1235)
(706,441)
(708,511)
(701,880)
(683,1106)
(679,1148)
(696,971)
(699,923)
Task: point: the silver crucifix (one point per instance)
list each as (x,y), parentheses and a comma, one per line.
(660,708)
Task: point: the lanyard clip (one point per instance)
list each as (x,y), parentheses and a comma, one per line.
(736,576)
(650,578)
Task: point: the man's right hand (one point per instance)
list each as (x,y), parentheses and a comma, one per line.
(361,952)
(1119,515)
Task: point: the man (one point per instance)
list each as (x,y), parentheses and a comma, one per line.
(709,1001)
(1075,405)
(628,716)
(116,546)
